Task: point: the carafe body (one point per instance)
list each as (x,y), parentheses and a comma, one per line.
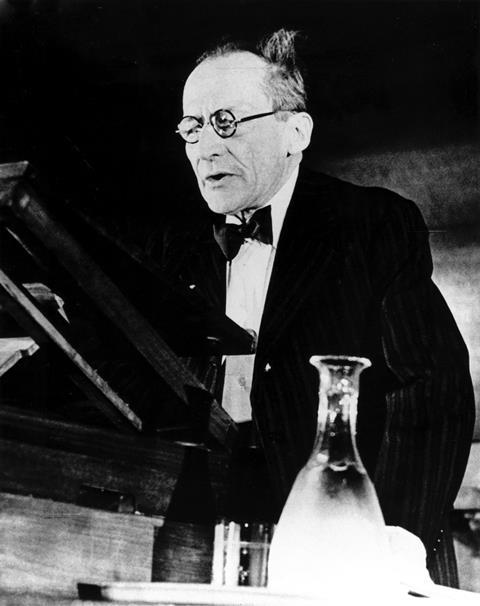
(331,537)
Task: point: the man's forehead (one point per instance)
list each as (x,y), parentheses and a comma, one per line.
(231,79)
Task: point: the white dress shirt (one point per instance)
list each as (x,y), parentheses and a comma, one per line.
(248,277)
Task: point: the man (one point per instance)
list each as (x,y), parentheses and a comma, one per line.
(345,270)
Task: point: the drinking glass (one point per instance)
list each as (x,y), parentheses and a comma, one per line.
(240,553)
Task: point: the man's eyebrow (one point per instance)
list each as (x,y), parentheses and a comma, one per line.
(234,108)
(199,118)
(242,108)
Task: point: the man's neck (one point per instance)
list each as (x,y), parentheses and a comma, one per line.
(246,214)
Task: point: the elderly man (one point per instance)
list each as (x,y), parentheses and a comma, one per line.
(314,265)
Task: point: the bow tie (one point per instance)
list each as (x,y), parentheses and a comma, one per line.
(231,236)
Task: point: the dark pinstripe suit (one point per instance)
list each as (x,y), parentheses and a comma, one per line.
(352,276)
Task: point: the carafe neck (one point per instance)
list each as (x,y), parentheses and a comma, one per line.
(335,444)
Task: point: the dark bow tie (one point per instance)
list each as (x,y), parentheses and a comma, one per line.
(231,236)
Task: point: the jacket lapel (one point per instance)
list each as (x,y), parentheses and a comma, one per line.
(197,259)
(212,276)
(306,248)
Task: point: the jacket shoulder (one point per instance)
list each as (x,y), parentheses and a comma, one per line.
(358,203)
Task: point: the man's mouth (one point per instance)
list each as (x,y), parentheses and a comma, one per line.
(213,178)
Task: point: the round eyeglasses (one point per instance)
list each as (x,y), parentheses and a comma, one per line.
(223,122)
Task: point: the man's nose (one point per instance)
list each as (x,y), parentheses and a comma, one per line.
(210,144)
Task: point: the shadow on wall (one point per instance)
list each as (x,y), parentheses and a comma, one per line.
(445,183)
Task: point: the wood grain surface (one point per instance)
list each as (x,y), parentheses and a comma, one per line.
(48,547)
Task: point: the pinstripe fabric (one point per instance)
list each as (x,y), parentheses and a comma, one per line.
(442,563)
(352,275)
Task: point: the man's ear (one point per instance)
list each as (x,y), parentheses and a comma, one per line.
(300,127)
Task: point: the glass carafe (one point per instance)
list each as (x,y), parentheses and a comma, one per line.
(331,537)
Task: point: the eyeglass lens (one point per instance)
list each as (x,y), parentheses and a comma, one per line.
(189,129)
(224,122)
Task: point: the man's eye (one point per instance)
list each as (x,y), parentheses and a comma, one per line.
(193,128)
(224,120)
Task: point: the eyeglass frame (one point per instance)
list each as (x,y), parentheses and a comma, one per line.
(235,122)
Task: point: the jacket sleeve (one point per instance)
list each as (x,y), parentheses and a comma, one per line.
(430,411)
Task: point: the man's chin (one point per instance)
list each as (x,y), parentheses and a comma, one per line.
(224,206)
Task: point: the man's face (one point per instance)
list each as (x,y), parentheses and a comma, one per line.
(243,171)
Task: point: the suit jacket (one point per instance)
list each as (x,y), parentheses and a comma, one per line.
(352,275)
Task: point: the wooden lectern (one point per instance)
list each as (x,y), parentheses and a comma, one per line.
(96,403)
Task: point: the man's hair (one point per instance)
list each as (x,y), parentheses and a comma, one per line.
(284,82)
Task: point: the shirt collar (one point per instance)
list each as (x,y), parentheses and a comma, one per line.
(279,204)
